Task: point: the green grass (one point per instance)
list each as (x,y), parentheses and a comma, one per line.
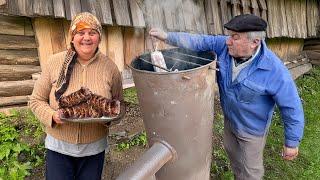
(307,165)
(21,144)
(130,95)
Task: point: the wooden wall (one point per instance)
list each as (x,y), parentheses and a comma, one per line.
(18,60)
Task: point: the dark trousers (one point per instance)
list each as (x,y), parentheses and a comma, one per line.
(64,167)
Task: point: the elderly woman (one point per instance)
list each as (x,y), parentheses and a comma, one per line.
(75,150)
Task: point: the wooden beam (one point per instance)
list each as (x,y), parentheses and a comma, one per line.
(300,70)
(16,88)
(43,7)
(103,46)
(213,17)
(14,100)
(115,46)
(17,72)
(17,42)
(57,36)
(121,12)
(43,35)
(19,57)
(134,43)
(72,7)
(12,25)
(59,9)
(137,13)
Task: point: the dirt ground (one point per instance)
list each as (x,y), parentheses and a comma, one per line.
(117,161)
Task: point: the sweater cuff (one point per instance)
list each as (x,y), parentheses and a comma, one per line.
(291,144)
(48,121)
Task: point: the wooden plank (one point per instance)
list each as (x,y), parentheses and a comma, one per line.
(13,7)
(189,19)
(14,100)
(43,8)
(28,29)
(255,8)
(134,43)
(72,8)
(57,35)
(224,14)
(66,26)
(303,19)
(17,72)
(91,6)
(103,46)
(58,9)
(312,17)
(121,12)
(115,46)
(12,25)
(43,36)
(19,57)
(99,8)
(200,17)
(106,11)
(300,70)
(235,7)
(263,8)
(20,7)
(17,42)
(314,47)
(310,42)
(137,14)
(154,14)
(246,6)
(16,88)
(213,17)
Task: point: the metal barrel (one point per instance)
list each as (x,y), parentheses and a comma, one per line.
(177,107)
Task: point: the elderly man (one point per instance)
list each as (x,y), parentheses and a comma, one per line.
(252,80)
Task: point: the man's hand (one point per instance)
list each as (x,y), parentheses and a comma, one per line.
(289,153)
(56,118)
(158,33)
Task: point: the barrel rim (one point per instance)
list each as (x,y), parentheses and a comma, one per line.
(172,72)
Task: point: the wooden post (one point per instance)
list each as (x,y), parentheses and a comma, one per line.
(115,45)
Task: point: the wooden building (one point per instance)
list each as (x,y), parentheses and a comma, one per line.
(33,30)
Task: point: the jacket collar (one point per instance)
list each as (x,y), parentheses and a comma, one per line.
(263,63)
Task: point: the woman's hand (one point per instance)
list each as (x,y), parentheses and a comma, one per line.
(158,33)
(289,153)
(56,117)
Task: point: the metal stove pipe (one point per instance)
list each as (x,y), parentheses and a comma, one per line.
(150,162)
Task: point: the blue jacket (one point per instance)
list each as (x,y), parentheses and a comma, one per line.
(248,102)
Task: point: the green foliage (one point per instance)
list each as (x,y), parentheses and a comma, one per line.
(130,95)
(18,155)
(137,140)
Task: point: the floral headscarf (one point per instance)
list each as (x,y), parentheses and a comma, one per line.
(81,21)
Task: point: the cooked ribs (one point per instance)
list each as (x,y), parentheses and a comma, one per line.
(84,104)
(75,98)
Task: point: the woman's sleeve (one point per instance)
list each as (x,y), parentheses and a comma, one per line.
(116,89)
(39,100)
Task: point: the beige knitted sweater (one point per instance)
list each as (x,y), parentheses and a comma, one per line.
(100,75)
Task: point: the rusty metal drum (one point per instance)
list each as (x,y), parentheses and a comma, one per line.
(177,107)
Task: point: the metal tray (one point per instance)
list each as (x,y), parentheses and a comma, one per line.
(91,120)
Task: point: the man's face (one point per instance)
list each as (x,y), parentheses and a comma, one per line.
(240,46)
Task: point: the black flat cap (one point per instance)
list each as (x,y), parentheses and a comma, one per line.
(246,23)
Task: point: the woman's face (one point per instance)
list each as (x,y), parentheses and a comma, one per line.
(86,42)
